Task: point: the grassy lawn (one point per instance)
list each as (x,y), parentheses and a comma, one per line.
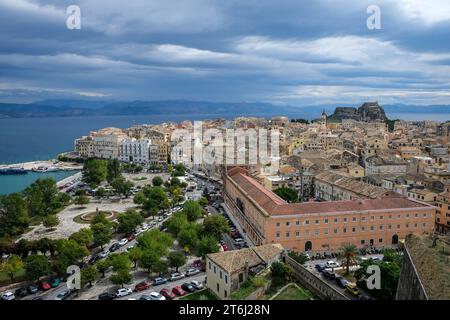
(19,276)
(294,293)
(200,295)
(140,178)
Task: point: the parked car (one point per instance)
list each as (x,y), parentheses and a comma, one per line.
(238,241)
(123,241)
(168,294)
(332,264)
(21,292)
(55,282)
(328,274)
(341,282)
(197,263)
(104,254)
(197,284)
(141,286)
(176,276)
(63,295)
(122,292)
(178,291)
(44,285)
(320,267)
(189,288)
(8,296)
(352,289)
(130,247)
(192,272)
(131,237)
(156,296)
(94,259)
(37,298)
(159,281)
(32,288)
(115,246)
(106,296)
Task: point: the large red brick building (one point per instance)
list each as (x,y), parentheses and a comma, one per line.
(321,226)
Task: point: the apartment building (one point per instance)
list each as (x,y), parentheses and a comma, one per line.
(321,226)
(330,186)
(133,150)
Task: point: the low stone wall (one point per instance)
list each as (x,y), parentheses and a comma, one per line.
(312,282)
(409,285)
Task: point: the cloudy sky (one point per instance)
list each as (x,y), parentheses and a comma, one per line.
(298,52)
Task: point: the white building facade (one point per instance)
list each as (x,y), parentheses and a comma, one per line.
(136,151)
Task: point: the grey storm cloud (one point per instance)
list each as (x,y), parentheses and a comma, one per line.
(284,51)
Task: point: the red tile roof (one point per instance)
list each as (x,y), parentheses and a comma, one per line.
(274,205)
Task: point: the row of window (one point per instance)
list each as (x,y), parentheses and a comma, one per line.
(354,219)
(297,234)
(221,275)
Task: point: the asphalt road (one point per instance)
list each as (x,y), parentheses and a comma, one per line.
(310,265)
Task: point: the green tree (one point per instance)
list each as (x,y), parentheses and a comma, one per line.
(50,221)
(62,200)
(155,241)
(11,266)
(135,255)
(177,196)
(122,186)
(176,259)
(215,226)
(188,236)
(121,278)
(203,201)
(155,200)
(160,267)
(83,236)
(94,172)
(149,259)
(128,222)
(14,219)
(81,200)
(349,253)
(207,245)
(139,198)
(103,266)
(157,181)
(279,270)
(89,274)
(41,196)
(100,193)
(37,266)
(121,264)
(70,252)
(176,223)
(179,170)
(193,210)
(288,194)
(100,217)
(102,233)
(113,170)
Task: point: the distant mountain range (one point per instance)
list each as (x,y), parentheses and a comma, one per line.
(71,108)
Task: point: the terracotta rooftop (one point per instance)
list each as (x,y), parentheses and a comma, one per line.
(274,205)
(235,260)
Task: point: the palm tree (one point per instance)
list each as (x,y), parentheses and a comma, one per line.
(349,254)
